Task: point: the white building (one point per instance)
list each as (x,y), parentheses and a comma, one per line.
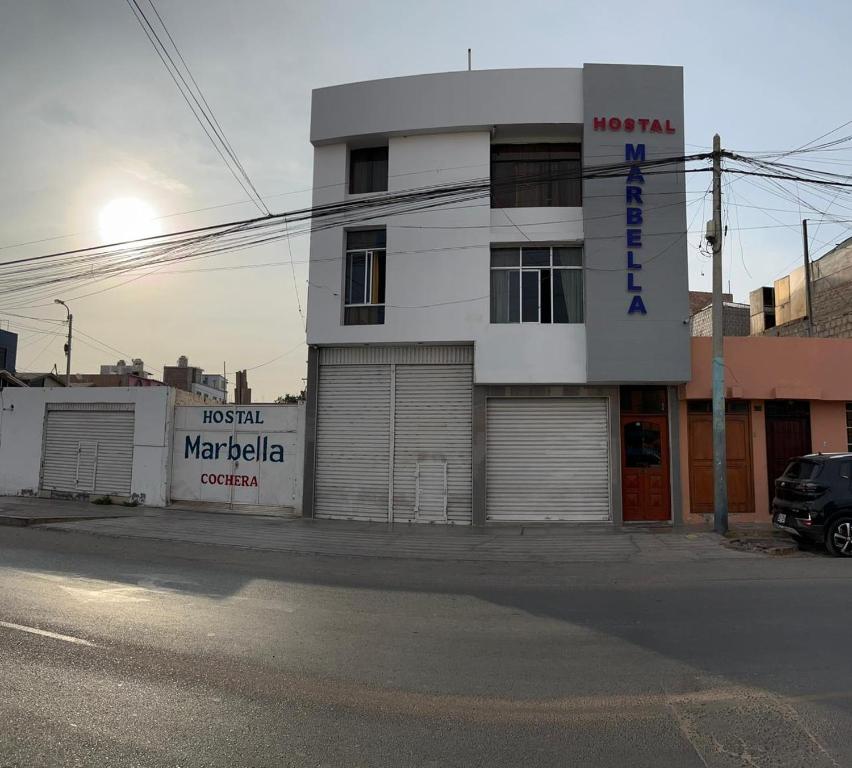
(213,387)
(504,357)
(136,367)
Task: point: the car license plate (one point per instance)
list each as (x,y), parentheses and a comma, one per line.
(781,519)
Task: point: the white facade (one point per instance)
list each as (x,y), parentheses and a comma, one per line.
(132,442)
(423,305)
(22,435)
(443,384)
(213,394)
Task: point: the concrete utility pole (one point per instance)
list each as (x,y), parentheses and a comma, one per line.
(720,475)
(67,343)
(808,295)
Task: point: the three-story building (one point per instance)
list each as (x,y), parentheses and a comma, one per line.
(511,354)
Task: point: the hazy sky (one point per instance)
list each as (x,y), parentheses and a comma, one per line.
(89,114)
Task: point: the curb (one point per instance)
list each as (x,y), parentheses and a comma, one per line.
(23,521)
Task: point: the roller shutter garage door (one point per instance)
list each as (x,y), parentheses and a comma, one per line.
(432,443)
(548,459)
(353,442)
(88,448)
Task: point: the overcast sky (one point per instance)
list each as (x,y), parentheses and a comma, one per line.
(89,115)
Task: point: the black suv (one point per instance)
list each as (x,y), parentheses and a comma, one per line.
(813,500)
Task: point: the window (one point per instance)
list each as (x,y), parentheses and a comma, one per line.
(364,292)
(368,170)
(849,426)
(535,175)
(802,470)
(643,399)
(642,444)
(541,284)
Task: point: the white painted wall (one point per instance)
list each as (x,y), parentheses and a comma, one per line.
(278,483)
(22,426)
(438,264)
(447,101)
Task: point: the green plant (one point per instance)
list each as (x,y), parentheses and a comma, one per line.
(102,500)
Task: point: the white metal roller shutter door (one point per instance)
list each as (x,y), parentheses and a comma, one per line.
(88,451)
(353,442)
(432,443)
(548,459)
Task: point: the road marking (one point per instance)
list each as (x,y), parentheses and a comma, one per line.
(46,633)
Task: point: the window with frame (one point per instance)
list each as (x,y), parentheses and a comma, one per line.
(537,284)
(536,175)
(368,170)
(364,289)
(849,427)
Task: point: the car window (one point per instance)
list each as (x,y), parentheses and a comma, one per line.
(802,469)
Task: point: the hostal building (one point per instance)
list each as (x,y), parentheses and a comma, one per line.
(513,356)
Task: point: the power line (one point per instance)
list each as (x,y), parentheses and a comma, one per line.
(202,115)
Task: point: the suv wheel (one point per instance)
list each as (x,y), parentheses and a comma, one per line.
(838,541)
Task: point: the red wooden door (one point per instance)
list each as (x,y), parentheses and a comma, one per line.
(645,468)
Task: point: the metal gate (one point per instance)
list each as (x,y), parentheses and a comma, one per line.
(88,448)
(393,440)
(432,443)
(353,442)
(548,459)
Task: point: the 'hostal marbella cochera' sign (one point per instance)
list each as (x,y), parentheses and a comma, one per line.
(234,448)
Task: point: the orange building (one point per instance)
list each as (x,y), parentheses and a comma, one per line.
(785,397)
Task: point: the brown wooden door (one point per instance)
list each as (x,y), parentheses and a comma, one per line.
(738,449)
(645,468)
(788,434)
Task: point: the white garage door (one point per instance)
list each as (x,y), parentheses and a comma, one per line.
(432,443)
(548,459)
(353,442)
(88,448)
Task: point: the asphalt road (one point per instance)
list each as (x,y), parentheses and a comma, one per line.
(177,655)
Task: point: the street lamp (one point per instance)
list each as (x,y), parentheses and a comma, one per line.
(67,343)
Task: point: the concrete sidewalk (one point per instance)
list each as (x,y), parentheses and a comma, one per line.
(522,544)
(24,510)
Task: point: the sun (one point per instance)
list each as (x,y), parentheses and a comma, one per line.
(127,218)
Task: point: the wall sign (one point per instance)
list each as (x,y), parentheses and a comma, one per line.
(634,154)
(631,124)
(237,454)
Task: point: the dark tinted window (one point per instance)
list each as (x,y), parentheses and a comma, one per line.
(368,170)
(802,470)
(642,444)
(366,239)
(535,175)
(643,399)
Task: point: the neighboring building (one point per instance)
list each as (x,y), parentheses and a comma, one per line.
(516,361)
(45,380)
(135,368)
(151,445)
(735,320)
(80,443)
(189,378)
(8,380)
(8,351)
(242,392)
(785,397)
(113,380)
(784,305)
(698,300)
